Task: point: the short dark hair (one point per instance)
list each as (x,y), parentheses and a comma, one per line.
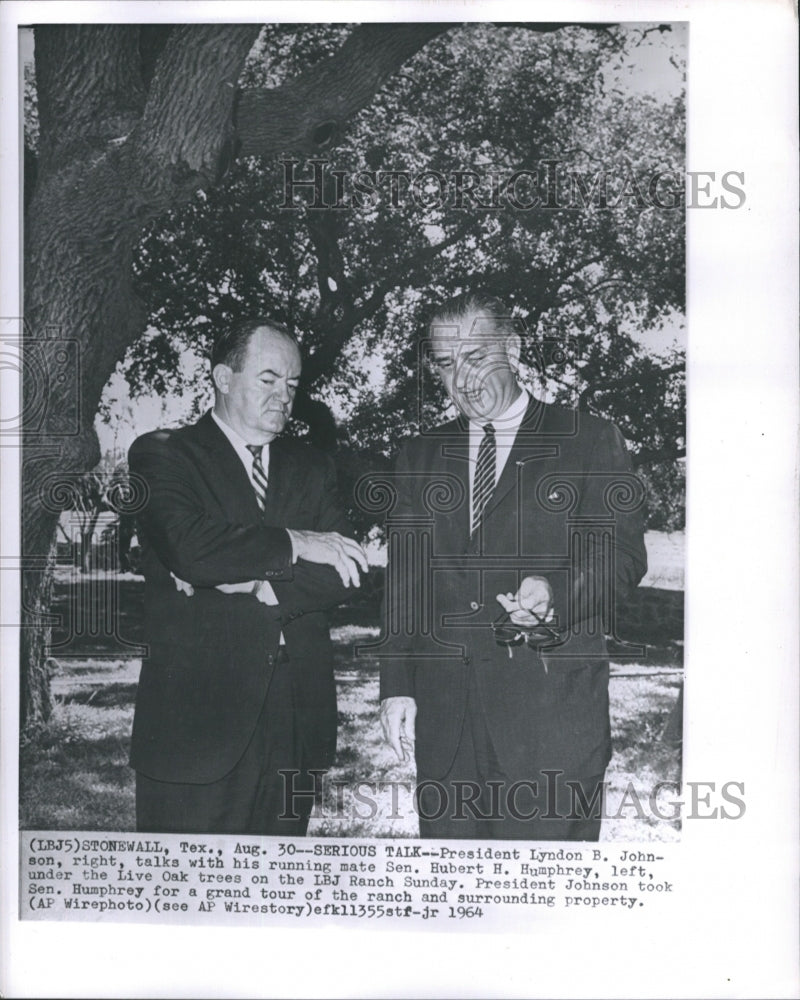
(231,346)
(455,309)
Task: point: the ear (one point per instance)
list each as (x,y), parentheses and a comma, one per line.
(221,374)
(513,350)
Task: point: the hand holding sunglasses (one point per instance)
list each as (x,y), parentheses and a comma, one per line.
(527,616)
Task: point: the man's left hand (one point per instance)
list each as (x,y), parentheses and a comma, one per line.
(532,604)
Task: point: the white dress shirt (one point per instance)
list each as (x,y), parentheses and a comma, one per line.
(265,592)
(505,431)
(240,447)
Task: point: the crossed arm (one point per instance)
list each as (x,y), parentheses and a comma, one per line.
(202,549)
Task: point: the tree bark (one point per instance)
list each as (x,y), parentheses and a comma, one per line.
(128,131)
(133,120)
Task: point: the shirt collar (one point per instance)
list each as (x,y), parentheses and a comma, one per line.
(236,439)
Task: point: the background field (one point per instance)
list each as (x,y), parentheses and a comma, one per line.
(74,772)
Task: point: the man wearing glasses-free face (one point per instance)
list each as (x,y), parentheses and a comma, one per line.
(500,683)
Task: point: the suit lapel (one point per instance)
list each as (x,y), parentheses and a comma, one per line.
(529,445)
(279,482)
(225,474)
(450,455)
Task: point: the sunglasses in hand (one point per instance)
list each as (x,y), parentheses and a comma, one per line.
(508,633)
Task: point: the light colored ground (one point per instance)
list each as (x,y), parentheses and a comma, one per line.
(74,774)
(369,792)
(665,559)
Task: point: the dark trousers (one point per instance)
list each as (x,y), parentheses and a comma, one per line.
(478,799)
(253,798)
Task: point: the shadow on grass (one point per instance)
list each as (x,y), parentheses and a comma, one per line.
(107,696)
(75,775)
(74,772)
(98,615)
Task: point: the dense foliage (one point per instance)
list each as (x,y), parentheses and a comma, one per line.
(592,270)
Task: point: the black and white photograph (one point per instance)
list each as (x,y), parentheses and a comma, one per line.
(290,326)
(346,465)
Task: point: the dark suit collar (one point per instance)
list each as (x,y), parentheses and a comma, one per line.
(280,474)
(230,478)
(451,455)
(209,435)
(529,445)
(534,415)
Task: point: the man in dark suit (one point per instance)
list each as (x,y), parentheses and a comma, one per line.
(245,549)
(535,532)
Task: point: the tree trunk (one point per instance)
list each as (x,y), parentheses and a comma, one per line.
(86,550)
(132,122)
(93,195)
(36,701)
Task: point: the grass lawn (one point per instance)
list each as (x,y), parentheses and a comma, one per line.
(74,774)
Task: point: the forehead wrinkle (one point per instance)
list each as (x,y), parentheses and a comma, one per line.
(472,328)
(266,343)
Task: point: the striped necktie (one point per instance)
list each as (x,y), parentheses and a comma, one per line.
(259,476)
(484,476)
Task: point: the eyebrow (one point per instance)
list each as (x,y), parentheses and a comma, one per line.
(269,371)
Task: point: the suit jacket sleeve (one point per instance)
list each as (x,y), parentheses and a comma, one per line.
(622,569)
(397,675)
(196,545)
(314,587)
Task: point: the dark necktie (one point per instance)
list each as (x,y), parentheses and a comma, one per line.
(259,476)
(484,476)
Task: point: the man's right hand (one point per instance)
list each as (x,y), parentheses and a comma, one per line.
(398,715)
(329,548)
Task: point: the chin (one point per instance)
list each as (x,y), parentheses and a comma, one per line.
(474,411)
(273,427)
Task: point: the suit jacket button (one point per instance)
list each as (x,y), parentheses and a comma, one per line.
(474,605)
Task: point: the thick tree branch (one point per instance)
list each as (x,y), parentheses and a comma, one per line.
(187,121)
(634,378)
(308,113)
(323,359)
(410,267)
(563,277)
(152,39)
(323,229)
